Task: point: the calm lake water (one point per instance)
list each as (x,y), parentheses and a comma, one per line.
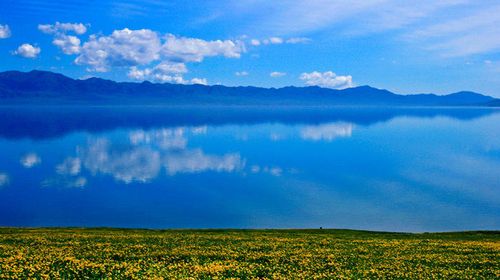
(159,167)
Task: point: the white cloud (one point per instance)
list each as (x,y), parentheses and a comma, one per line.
(295,16)
(241,73)
(171,68)
(165,72)
(279,41)
(448,27)
(62,28)
(327,79)
(255,42)
(475,33)
(195,50)
(68,44)
(4,31)
(326,132)
(122,48)
(298,40)
(276,40)
(138,74)
(199,81)
(136,48)
(30,160)
(273,41)
(27,51)
(175,79)
(4,179)
(277,74)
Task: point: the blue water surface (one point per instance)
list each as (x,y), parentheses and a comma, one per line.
(412,169)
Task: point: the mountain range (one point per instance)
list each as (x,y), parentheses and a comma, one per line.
(43,87)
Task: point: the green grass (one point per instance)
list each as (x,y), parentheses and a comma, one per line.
(247,254)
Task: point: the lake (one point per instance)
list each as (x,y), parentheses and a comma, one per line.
(390,169)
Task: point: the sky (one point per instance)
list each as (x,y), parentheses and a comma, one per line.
(403,46)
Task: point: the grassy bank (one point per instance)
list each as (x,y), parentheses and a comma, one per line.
(278,254)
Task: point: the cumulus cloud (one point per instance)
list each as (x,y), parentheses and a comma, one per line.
(138,74)
(4,179)
(326,132)
(195,50)
(139,49)
(165,72)
(241,73)
(67,44)
(27,51)
(171,68)
(58,28)
(161,72)
(277,74)
(327,79)
(30,160)
(4,31)
(122,48)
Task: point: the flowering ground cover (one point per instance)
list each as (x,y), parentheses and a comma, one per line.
(245,254)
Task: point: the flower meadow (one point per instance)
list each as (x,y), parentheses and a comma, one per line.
(245,254)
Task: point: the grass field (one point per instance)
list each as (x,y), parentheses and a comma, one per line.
(245,254)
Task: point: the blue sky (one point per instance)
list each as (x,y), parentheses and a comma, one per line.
(429,46)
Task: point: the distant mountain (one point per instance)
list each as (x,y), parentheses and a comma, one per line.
(41,87)
(494,103)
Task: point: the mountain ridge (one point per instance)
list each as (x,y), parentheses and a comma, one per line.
(44,87)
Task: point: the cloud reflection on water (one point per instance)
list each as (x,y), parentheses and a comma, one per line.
(4,179)
(326,132)
(413,174)
(30,160)
(144,154)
